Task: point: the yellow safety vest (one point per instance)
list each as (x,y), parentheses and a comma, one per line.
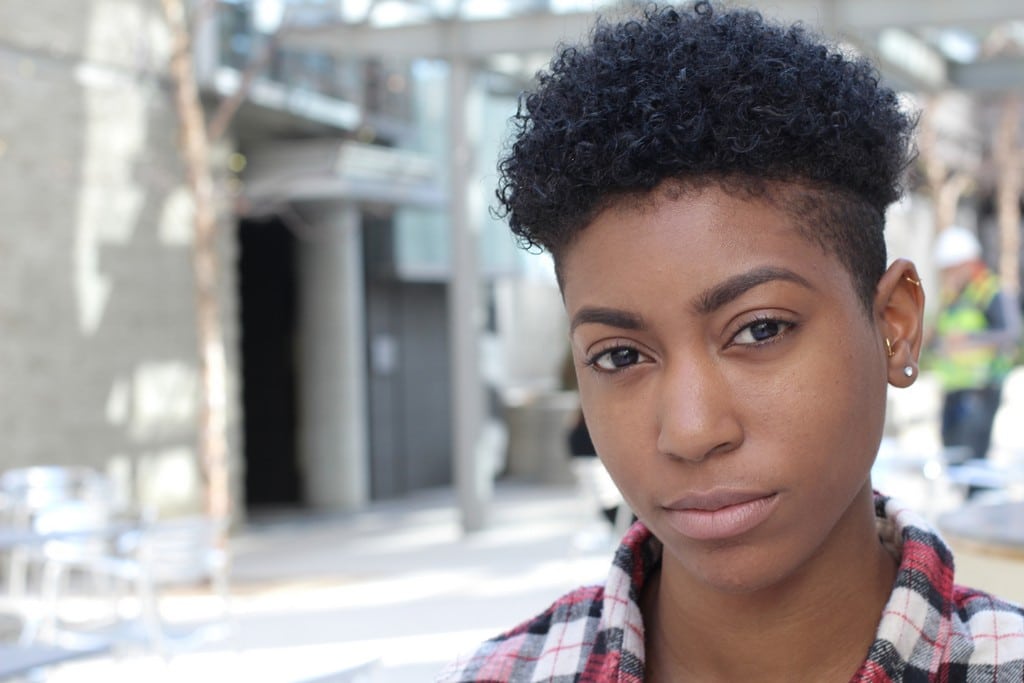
(971,368)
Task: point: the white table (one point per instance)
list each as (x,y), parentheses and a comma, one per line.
(993,526)
(12,536)
(19,660)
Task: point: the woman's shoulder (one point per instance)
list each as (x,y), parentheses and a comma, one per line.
(560,636)
(990,628)
(979,607)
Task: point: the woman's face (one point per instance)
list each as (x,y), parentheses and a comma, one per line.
(732,382)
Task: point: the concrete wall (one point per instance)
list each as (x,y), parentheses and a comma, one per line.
(97,335)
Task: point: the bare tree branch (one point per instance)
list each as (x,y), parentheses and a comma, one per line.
(230,105)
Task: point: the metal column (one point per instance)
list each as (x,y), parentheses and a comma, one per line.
(473,478)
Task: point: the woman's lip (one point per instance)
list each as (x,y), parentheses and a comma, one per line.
(716,499)
(721,514)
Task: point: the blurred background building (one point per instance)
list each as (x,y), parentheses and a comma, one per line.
(370,300)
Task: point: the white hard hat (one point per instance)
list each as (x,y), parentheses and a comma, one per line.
(956,245)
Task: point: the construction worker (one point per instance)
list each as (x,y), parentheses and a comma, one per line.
(975,341)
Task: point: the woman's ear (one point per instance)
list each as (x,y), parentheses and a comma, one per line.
(899,312)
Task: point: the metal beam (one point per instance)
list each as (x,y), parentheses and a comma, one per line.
(540,32)
(991,74)
(444,39)
(872,15)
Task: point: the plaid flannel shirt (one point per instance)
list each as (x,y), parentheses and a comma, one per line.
(931,629)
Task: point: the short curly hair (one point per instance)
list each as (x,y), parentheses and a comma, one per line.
(696,95)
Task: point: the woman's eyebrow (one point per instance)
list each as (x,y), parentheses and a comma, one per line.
(613,317)
(706,302)
(715,297)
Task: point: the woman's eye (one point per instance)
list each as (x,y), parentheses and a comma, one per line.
(761,331)
(616,359)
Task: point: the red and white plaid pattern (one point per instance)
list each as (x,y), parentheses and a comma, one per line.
(931,629)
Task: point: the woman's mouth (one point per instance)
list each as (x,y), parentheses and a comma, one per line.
(720,514)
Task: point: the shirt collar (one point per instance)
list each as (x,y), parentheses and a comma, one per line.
(915,623)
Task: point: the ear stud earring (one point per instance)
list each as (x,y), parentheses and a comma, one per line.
(888,348)
(908,370)
(912,280)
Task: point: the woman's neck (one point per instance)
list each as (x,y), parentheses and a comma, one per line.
(815,625)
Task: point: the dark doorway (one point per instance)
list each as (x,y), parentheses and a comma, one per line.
(268,299)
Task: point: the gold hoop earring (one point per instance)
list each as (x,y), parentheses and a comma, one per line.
(889,351)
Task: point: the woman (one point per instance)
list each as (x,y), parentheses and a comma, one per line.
(713,188)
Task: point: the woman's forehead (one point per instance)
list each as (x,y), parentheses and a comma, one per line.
(689,239)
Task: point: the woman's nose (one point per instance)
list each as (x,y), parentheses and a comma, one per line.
(697,413)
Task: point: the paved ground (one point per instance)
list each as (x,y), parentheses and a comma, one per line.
(399,589)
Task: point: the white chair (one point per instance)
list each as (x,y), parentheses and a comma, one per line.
(63,512)
(185,551)
(81,538)
(31,492)
(160,554)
